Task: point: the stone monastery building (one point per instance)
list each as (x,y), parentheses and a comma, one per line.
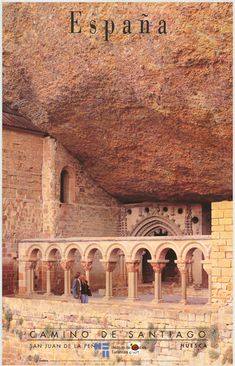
(58,221)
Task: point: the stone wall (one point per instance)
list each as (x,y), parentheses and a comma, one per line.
(31,198)
(90,211)
(22,197)
(221,255)
(20,316)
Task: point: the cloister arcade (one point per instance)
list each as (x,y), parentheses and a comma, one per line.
(52,261)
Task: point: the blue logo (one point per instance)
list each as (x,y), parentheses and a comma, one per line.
(104,347)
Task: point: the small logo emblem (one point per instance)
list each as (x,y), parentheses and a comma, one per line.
(104,347)
(133,348)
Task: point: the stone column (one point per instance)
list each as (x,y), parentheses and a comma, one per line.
(158,267)
(33,266)
(132,269)
(30,267)
(66,265)
(140,272)
(207,267)
(190,273)
(48,265)
(183,268)
(123,270)
(87,265)
(28,277)
(109,268)
(125,273)
(122,267)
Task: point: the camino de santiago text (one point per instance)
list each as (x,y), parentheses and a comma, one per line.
(108,27)
(119,334)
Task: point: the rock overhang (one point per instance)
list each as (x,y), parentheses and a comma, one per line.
(149,116)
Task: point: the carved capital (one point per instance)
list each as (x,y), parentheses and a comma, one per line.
(109,266)
(66,265)
(70,264)
(87,265)
(183,266)
(48,265)
(156,267)
(137,266)
(133,266)
(30,265)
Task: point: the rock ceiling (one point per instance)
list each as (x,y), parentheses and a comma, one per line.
(149,115)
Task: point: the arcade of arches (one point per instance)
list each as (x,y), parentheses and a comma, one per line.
(49,266)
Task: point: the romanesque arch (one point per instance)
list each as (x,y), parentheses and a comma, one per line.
(190,247)
(138,249)
(33,252)
(70,250)
(164,247)
(112,250)
(156,225)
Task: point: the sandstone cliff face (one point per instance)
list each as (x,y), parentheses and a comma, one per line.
(149,115)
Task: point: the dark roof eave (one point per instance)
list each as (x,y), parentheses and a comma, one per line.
(26,130)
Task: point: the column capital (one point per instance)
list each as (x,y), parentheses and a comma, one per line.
(48,264)
(30,264)
(66,264)
(87,265)
(133,266)
(183,265)
(158,265)
(109,265)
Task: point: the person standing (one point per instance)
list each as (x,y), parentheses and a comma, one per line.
(85,290)
(76,286)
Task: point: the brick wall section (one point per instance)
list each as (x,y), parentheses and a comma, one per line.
(221,255)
